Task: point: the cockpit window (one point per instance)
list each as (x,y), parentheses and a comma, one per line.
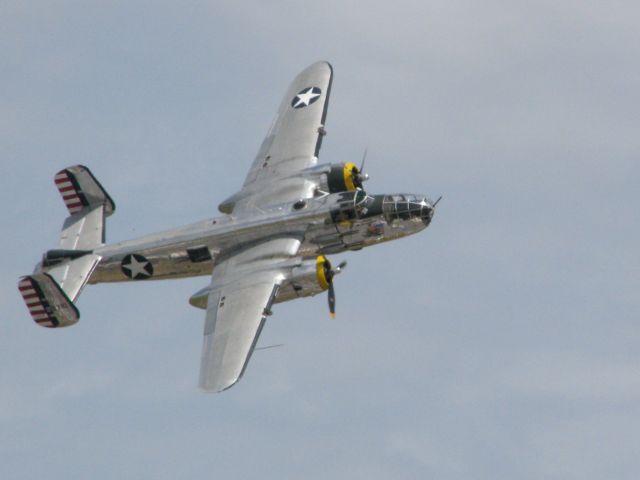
(352,205)
(405,207)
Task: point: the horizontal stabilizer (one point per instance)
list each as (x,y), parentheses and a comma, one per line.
(72,275)
(55,257)
(81,190)
(83,231)
(47,303)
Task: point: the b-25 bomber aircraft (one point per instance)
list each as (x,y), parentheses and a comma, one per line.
(270,245)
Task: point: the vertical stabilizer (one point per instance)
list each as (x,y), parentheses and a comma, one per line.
(88,204)
(80,190)
(48,305)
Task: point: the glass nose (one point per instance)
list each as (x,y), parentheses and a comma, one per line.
(408,207)
(415,209)
(426,211)
(427,214)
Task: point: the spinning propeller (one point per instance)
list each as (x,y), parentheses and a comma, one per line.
(328,274)
(357,174)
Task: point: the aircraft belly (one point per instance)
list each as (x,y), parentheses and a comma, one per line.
(337,238)
(177,257)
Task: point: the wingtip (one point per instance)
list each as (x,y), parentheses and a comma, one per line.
(210,386)
(328,64)
(320,63)
(213,389)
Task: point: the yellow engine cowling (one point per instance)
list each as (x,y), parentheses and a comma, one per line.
(344,177)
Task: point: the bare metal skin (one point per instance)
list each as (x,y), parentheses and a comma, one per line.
(269,246)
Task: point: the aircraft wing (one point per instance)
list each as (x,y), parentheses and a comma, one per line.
(243,288)
(291,145)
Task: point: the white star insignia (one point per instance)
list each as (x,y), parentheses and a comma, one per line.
(136,267)
(306,97)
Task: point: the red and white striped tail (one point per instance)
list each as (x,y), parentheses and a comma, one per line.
(47,303)
(80,190)
(71,193)
(35,303)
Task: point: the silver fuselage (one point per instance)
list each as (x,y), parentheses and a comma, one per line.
(319,223)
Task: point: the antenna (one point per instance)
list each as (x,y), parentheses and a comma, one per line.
(269,346)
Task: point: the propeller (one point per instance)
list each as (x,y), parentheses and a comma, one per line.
(357,173)
(329,273)
(364,157)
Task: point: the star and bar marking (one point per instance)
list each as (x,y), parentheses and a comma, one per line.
(306,97)
(136,267)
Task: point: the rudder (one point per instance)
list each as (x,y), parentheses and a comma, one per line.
(48,305)
(80,190)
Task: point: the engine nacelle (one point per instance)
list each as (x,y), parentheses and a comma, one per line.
(344,177)
(332,178)
(307,279)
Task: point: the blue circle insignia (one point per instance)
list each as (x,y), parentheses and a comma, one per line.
(306,97)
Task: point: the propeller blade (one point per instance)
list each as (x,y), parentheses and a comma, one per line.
(329,274)
(332,300)
(364,157)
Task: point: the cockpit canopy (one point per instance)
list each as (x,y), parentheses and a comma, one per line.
(405,206)
(352,205)
(402,206)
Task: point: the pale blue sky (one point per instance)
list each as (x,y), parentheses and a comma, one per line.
(502,342)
